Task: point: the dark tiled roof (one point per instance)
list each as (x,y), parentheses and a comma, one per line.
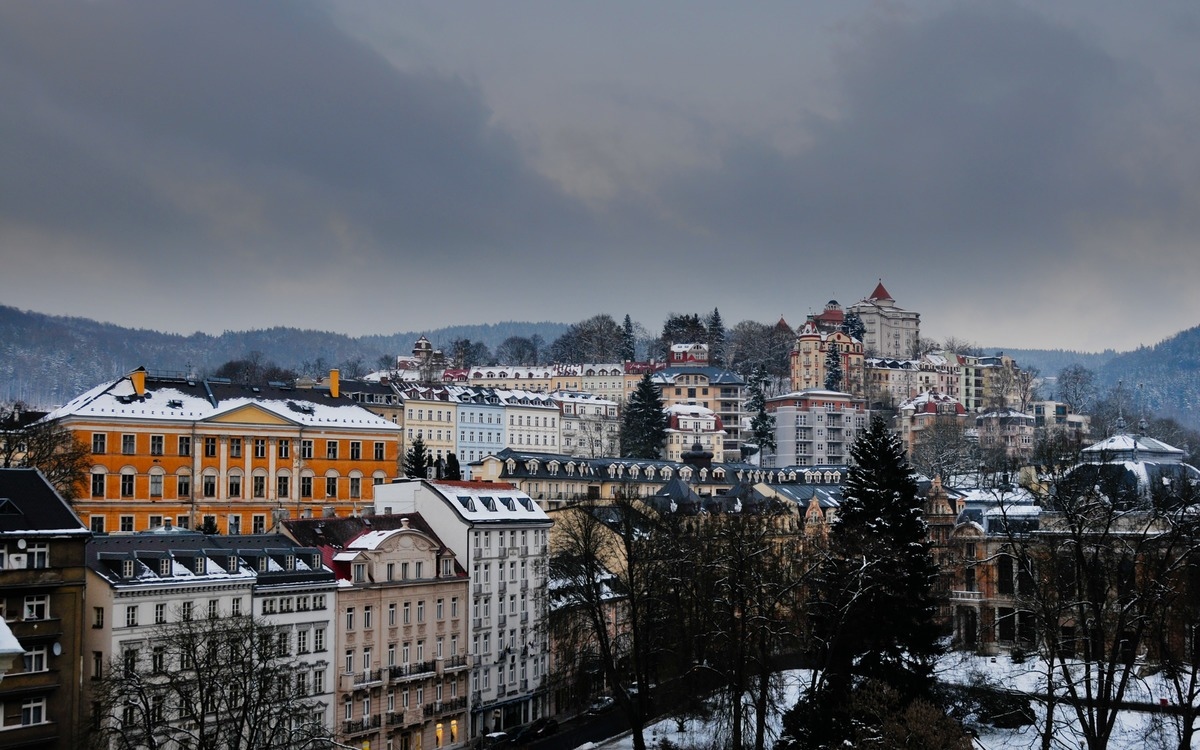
(338,532)
(29,503)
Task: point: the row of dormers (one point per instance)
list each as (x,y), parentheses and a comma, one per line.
(184,563)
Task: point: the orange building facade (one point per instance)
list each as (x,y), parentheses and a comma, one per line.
(169,450)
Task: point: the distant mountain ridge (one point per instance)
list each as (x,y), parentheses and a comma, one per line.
(46,360)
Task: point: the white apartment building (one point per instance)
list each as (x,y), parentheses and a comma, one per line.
(815,427)
(500,536)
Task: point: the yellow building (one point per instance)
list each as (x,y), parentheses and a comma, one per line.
(237,458)
(809,356)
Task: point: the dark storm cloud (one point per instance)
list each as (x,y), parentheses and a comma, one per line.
(984,126)
(223,125)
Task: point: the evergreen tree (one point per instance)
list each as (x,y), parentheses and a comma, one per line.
(855,327)
(453,470)
(417,460)
(628,341)
(874,605)
(762,424)
(716,339)
(833,369)
(644,425)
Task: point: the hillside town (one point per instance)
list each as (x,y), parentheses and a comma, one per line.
(430,555)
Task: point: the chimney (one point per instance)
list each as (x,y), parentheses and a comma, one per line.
(333,383)
(138,378)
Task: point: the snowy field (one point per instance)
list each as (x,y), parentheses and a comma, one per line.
(1140,730)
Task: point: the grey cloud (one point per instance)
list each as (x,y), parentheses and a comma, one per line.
(134,119)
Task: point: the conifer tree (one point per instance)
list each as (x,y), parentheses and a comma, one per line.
(833,369)
(855,327)
(874,603)
(644,425)
(762,424)
(628,340)
(453,470)
(417,460)
(716,339)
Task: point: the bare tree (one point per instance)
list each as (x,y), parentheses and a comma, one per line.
(1076,387)
(941,449)
(208,684)
(28,439)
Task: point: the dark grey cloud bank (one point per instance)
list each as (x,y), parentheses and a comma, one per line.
(1023,177)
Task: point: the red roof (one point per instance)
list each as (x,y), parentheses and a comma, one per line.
(881,293)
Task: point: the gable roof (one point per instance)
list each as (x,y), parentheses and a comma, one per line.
(30,505)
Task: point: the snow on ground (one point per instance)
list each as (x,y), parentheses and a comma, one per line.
(1144,731)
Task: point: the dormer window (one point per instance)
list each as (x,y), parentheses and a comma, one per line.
(262,564)
(289,562)
(360,572)
(233,564)
(199,565)
(164,566)
(127,568)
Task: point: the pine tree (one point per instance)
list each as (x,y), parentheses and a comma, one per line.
(644,425)
(716,339)
(628,341)
(417,460)
(833,369)
(762,424)
(453,469)
(855,327)
(875,604)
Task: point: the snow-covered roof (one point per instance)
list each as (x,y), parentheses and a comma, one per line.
(9,645)
(489,501)
(1126,447)
(190,400)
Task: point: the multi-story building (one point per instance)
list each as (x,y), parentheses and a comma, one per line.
(499,534)
(891,381)
(225,456)
(815,427)
(606,381)
(689,425)
(402,630)
(41,599)
(532,419)
(919,414)
(891,332)
(145,589)
(590,424)
(720,390)
(519,378)
(1058,417)
(1006,432)
(810,359)
(430,413)
(481,425)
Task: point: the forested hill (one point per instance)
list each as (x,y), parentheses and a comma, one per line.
(1163,379)
(46,360)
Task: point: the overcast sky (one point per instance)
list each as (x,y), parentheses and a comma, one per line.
(1021,173)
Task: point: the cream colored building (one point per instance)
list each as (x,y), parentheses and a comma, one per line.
(891,332)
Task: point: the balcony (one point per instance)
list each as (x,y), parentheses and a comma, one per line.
(365,724)
(966,596)
(454,662)
(395,718)
(411,671)
(438,708)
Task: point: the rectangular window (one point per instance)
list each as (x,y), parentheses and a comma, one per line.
(129,444)
(282,489)
(258,485)
(210,447)
(160,614)
(126,523)
(183,486)
(35,659)
(258,524)
(360,572)
(319,640)
(285,448)
(368,617)
(33,711)
(392,615)
(331,449)
(209,483)
(407,613)
(156,485)
(355,450)
(421,611)
(306,449)
(355,487)
(330,486)
(379,451)
(235,447)
(131,616)
(260,447)
(97,617)
(127,485)
(185,611)
(156,445)
(99,442)
(97,485)
(185,445)
(440,610)
(349,618)
(306,486)
(235,486)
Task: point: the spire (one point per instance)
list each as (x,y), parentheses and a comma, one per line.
(881,293)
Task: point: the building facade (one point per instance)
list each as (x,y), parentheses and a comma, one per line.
(815,427)
(229,457)
(891,332)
